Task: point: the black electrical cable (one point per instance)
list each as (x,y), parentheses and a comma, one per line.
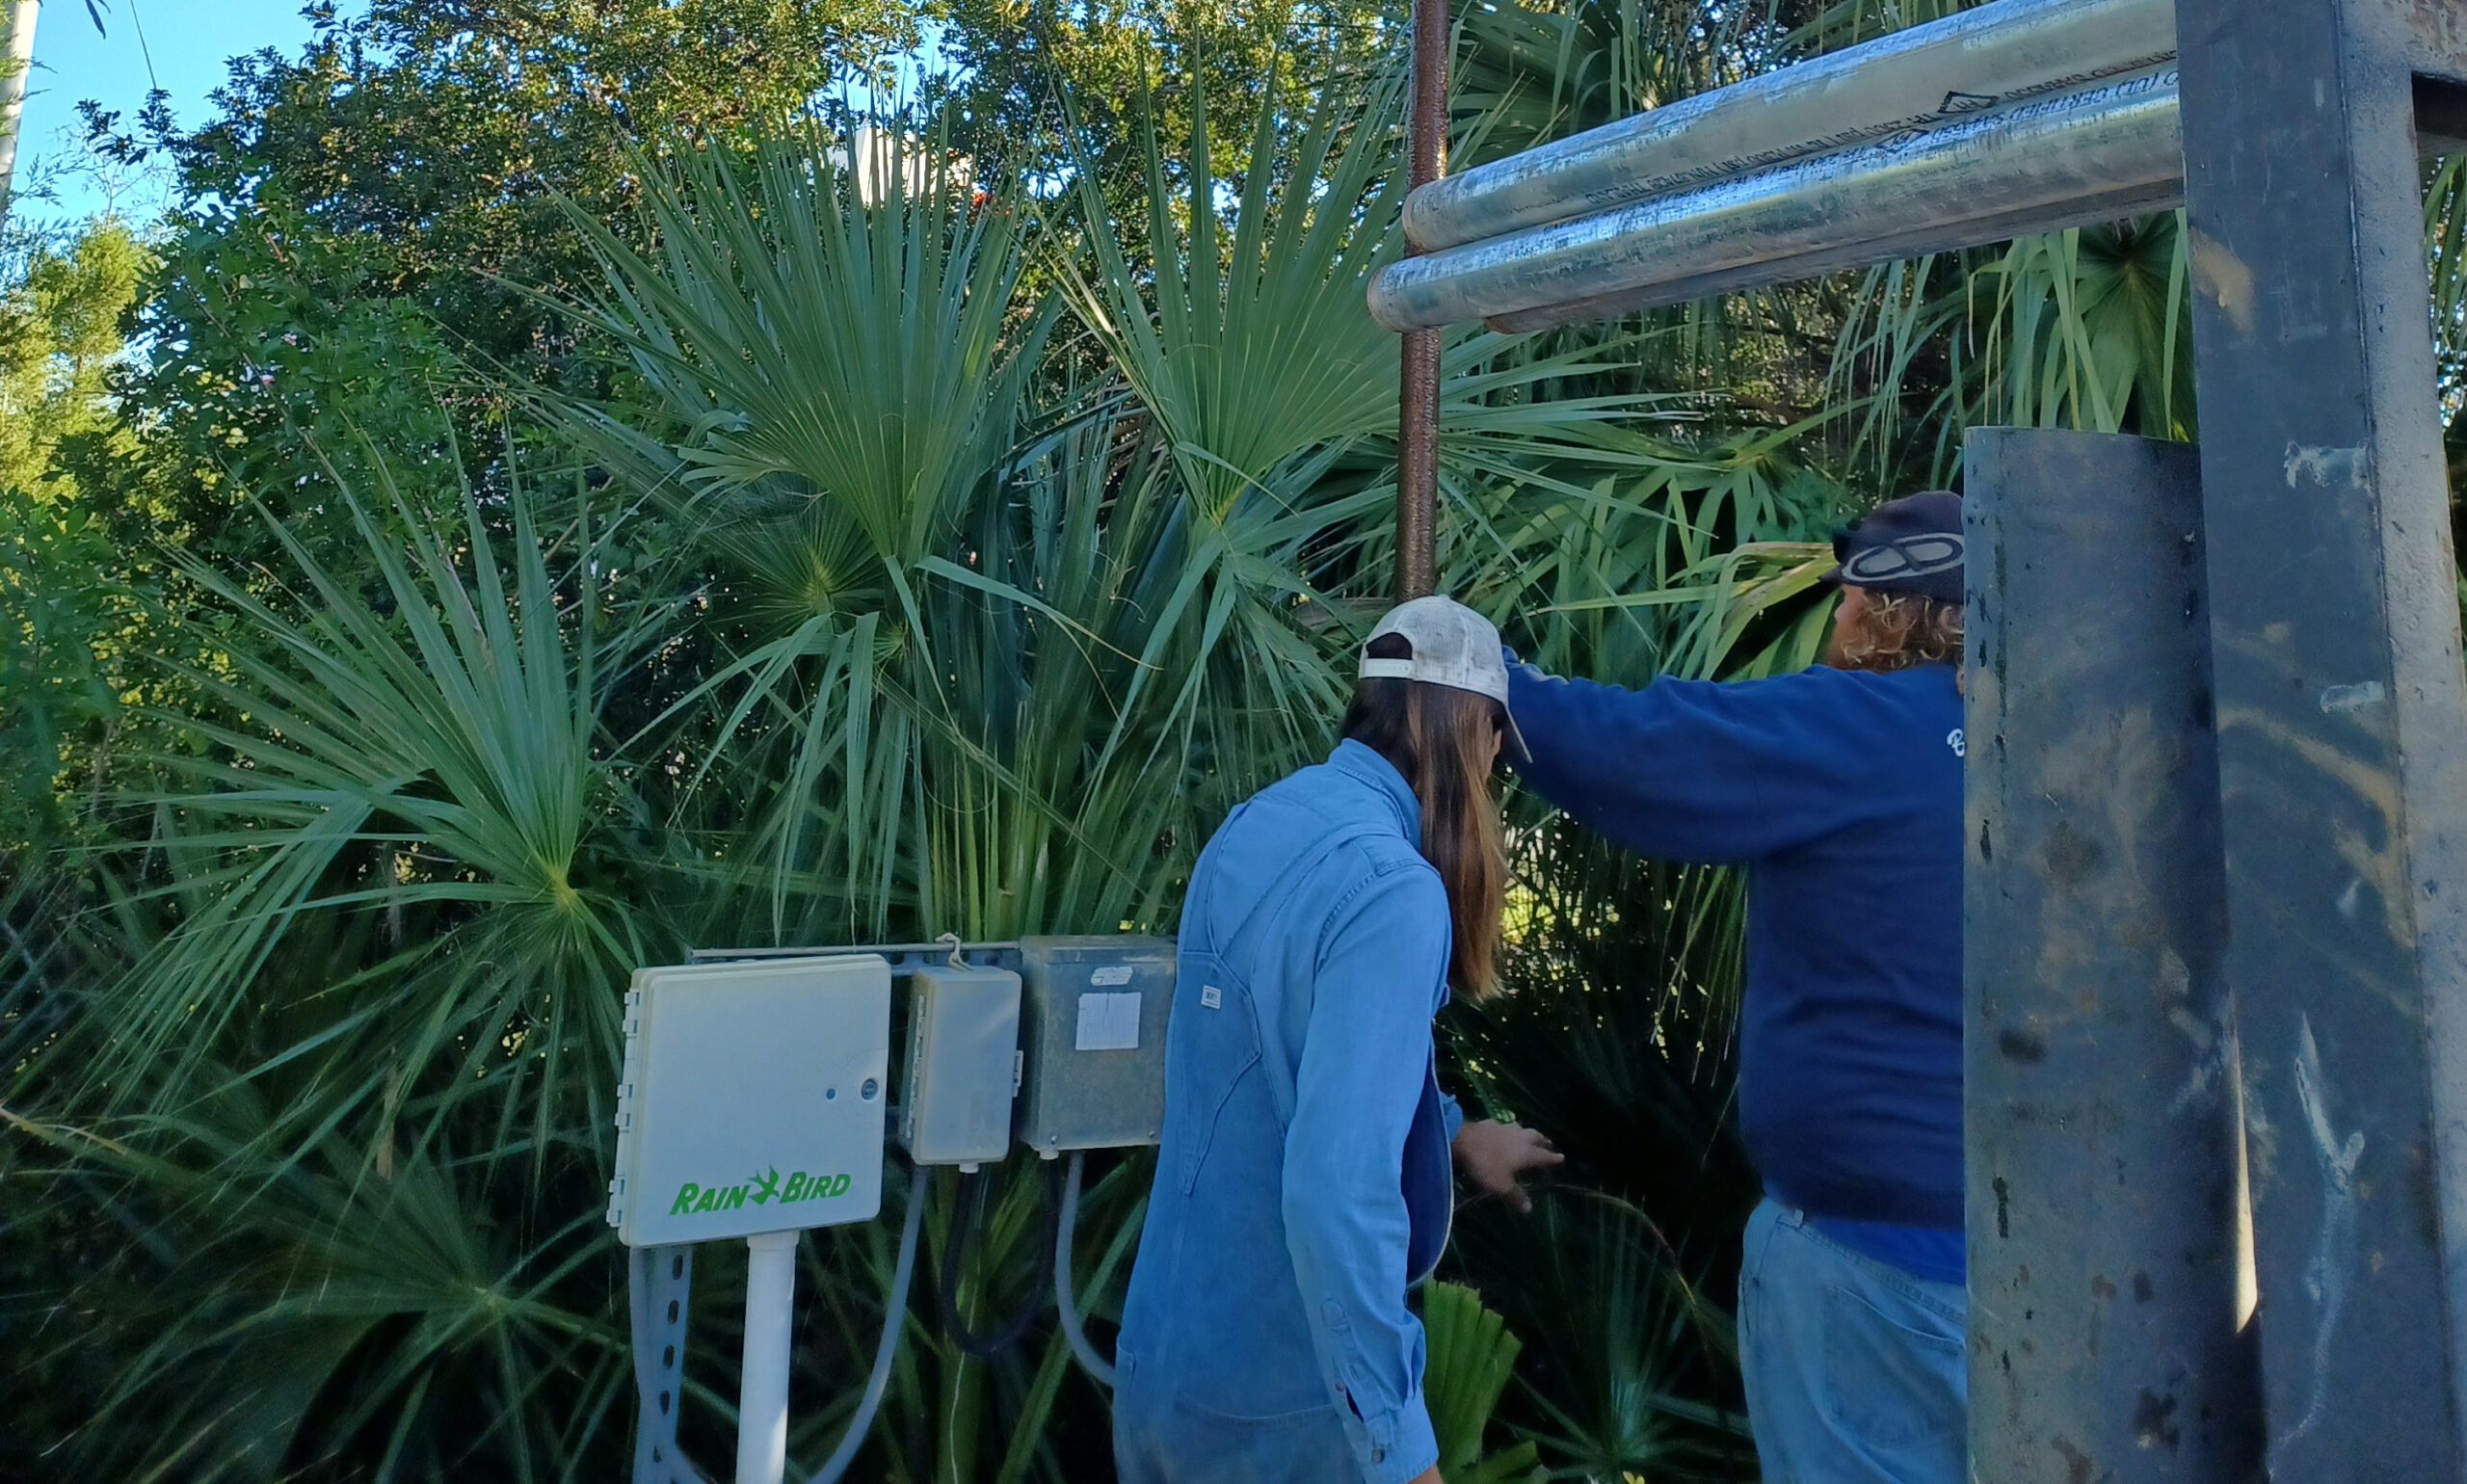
(988,1345)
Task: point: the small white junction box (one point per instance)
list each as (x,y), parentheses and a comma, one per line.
(752,1099)
(964,1065)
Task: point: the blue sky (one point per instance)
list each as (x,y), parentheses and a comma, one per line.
(187,42)
(180,45)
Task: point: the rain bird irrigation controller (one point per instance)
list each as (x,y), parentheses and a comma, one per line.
(754,1104)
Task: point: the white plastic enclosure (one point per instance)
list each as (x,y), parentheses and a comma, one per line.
(963,1064)
(752,1099)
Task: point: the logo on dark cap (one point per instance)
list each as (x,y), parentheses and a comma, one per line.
(1912,544)
(1903,561)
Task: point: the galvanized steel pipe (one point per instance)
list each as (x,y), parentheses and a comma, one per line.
(1916,79)
(2097,152)
(2108,206)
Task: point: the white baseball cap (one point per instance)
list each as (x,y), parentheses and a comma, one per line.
(1452,645)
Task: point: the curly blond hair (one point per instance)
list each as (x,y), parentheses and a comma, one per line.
(1897,631)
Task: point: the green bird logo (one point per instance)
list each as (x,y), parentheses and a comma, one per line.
(763,1189)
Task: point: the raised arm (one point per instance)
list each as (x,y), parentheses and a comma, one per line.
(1383,961)
(1720,772)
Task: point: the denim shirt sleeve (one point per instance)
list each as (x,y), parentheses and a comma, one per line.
(1383,958)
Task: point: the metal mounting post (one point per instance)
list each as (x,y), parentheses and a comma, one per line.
(2111,1308)
(1418,390)
(2342,724)
(664,1278)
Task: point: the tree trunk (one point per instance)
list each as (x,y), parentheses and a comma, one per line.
(16,58)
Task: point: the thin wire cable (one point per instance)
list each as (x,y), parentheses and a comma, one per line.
(1095,1365)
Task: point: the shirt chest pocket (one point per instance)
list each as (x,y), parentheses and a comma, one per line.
(1211,1052)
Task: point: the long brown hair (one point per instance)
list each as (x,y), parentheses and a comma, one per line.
(1441,740)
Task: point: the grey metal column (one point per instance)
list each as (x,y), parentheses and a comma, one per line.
(2109,1337)
(2342,726)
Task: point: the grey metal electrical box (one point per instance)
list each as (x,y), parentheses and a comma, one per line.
(962,1065)
(1096,1040)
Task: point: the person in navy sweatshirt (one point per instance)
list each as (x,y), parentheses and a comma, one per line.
(1840,790)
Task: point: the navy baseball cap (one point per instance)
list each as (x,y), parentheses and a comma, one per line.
(1912,544)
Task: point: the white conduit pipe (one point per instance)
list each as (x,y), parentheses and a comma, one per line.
(1065,1301)
(2095,154)
(1920,78)
(762,1397)
(894,1320)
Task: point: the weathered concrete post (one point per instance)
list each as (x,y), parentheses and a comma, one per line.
(2341,722)
(2110,1336)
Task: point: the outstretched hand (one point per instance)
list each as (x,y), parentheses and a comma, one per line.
(1493,1156)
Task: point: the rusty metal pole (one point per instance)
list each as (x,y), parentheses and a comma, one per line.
(1418,395)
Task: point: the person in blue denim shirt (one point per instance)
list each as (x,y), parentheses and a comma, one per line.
(1302,1181)
(1840,790)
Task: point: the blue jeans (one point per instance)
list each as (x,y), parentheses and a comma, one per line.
(1855,1369)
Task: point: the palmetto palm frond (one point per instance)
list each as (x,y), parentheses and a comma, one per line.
(1618,1339)
(1471,1358)
(841,369)
(429,780)
(1533,73)
(820,347)
(1260,366)
(316,1309)
(2088,329)
(1252,351)
(346,1085)
(2445,249)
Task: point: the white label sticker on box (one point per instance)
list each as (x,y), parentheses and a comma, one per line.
(1108,1022)
(1111,975)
